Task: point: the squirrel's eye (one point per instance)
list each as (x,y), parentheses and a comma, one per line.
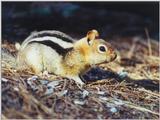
(102,48)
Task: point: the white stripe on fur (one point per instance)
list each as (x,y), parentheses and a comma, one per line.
(53,39)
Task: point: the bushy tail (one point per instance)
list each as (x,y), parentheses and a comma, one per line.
(8,60)
(17,46)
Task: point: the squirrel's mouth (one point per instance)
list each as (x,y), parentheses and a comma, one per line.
(102,63)
(114,57)
(107,61)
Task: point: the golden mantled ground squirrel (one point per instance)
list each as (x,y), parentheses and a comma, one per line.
(57,53)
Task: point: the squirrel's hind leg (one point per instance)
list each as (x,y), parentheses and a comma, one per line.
(34,61)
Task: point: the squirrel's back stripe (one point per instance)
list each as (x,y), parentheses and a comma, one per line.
(58,41)
(59,49)
(51,33)
(55,36)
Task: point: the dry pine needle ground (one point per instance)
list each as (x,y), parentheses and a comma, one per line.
(126,88)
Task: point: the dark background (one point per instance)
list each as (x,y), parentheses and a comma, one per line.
(111,19)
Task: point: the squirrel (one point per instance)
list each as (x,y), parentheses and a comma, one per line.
(58,53)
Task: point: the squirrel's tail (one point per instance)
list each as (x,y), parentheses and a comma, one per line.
(17,46)
(8,59)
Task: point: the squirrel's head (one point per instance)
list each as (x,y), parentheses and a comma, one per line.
(95,50)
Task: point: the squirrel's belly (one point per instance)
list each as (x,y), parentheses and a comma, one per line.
(52,61)
(41,58)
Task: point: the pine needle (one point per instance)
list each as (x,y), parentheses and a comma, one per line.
(149,42)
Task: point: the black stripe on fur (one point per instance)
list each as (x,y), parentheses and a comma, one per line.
(60,50)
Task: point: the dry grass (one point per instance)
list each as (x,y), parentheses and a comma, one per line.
(126,88)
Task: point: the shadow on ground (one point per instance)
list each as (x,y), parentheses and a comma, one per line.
(97,74)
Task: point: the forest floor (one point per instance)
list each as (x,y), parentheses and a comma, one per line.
(127,88)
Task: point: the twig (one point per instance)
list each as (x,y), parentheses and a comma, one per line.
(131,105)
(146,74)
(131,51)
(64,86)
(151,93)
(149,42)
(119,84)
(31,98)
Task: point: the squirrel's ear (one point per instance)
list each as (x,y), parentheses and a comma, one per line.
(91,35)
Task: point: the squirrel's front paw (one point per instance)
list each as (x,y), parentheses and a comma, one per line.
(44,74)
(78,80)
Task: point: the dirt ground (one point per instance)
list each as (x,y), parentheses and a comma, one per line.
(127,88)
